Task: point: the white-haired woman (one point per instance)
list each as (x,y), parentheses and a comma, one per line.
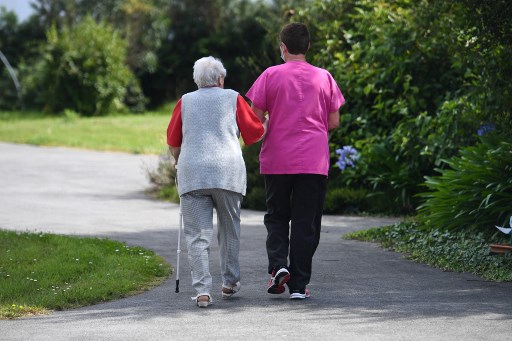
(203,136)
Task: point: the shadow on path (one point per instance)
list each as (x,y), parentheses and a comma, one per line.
(359,291)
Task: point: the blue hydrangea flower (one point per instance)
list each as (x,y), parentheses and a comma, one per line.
(347,156)
(485,128)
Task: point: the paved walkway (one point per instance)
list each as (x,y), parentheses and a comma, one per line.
(359,291)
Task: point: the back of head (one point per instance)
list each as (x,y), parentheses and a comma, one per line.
(296,38)
(207,72)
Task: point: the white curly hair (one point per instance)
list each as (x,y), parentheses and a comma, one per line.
(207,72)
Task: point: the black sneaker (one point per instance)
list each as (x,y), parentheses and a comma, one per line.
(299,294)
(277,281)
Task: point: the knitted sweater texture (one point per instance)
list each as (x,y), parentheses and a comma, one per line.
(210,155)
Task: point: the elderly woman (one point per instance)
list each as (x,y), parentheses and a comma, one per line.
(203,136)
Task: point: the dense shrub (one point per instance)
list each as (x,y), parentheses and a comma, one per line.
(163,178)
(398,80)
(419,78)
(345,200)
(395,73)
(84,69)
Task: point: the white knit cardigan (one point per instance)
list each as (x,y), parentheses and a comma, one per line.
(210,155)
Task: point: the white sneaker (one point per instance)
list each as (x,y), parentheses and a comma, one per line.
(299,294)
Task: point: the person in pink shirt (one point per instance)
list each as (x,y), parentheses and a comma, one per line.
(302,102)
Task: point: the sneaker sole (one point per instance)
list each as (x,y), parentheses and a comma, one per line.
(298,296)
(279,287)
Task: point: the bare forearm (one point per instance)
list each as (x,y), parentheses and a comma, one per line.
(334,120)
(175,151)
(263,119)
(260,113)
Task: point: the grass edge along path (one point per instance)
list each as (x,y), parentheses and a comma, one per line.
(42,272)
(449,251)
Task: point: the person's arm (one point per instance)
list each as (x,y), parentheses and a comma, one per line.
(174,132)
(175,152)
(259,113)
(333,120)
(251,129)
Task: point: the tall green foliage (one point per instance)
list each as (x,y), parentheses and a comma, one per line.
(475,192)
(481,46)
(83,68)
(417,81)
(226,29)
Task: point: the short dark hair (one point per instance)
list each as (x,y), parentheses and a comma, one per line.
(296,38)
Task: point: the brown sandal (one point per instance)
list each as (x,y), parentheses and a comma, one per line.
(228,291)
(203,301)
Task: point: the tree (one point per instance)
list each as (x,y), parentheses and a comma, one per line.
(83,68)
(227,29)
(142,23)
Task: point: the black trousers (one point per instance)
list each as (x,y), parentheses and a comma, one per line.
(293,222)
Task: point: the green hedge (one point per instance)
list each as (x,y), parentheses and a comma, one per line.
(84,69)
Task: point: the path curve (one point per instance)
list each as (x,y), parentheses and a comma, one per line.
(359,291)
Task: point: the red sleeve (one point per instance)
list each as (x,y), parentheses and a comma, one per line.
(174,133)
(249,124)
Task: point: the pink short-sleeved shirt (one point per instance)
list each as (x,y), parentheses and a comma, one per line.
(298,98)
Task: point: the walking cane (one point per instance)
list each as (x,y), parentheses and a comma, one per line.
(178,250)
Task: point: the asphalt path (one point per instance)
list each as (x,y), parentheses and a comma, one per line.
(358,290)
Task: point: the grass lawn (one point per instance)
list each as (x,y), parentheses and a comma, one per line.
(140,134)
(41,272)
(44,272)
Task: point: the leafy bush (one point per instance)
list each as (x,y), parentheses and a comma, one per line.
(462,251)
(475,192)
(393,85)
(163,178)
(345,200)
(256,199)
(419,78)
(84,69)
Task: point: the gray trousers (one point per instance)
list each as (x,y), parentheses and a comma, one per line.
(197,208)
